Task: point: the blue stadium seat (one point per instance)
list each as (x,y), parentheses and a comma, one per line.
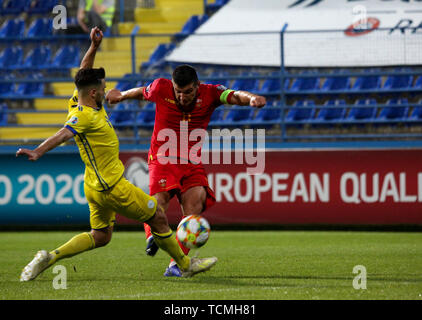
(367,83)
(123,114)
(418,83)
(339,83)
(3,114)
(273,87)
(12,28)
(266,117)
(31,89)
(40,28)
(11,57)
(189,27)
(37,58)
(217,116)
(124,85)
(251,85)
(304,84)
(15,6)
(393,114)
(415,116)
(224,82)
(331,115)
(398,82)
(7,89)
(363,114)
(217,4)
(297,113)
(158,55)
(66,57)
(41,6)
(147,115)
(236,116)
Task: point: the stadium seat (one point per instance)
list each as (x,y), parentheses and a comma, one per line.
(14,6)
(217,4)
(40,28)
(11,57)
(236,116)
(7,88)
(123,114)
(12,28)
(40,6)
(31,89)
(398,82)
(147,115)
(3,114)
(267,116)
(273,87)
(304,84)
(189,27)
(366,83)
(363,114)
(217,117)
(222,74)
(394,113)
(37,58)
(66,57)
(339,83)
(331,115)
(415,116)
(299,114)
(124,85)
(158,55)
(251,85)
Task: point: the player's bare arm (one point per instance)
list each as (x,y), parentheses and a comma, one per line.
(50,143)
(115,96)
(245,98)
(96,36)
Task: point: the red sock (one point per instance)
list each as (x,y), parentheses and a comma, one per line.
(147,229)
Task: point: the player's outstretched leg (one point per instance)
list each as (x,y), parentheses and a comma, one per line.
(43,259)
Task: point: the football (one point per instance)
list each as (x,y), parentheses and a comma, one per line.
(193,231)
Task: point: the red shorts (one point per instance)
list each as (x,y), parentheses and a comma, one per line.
(179,178)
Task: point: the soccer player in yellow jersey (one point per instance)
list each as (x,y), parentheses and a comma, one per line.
(106,190)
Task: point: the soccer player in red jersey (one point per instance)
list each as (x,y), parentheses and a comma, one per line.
(183,104)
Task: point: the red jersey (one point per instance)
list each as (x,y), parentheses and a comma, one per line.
(173,127)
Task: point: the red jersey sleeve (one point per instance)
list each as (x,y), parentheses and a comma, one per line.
(151,91)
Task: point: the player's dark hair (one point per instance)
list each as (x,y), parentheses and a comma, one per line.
(89,77)
(184,75)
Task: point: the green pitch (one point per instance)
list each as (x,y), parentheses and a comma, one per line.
(256,265)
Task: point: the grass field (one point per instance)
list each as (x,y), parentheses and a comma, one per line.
(253,265)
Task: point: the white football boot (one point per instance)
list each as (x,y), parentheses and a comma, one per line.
(199,265)
(36,266)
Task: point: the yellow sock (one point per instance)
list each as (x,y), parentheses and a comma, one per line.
(79,243)
(167,242)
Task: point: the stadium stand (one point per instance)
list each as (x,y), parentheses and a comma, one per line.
(32,56)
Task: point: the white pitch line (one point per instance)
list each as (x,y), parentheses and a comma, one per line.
(157,294)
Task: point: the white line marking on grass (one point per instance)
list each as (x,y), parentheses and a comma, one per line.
(158,294)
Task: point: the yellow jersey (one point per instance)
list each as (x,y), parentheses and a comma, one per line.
(98,144)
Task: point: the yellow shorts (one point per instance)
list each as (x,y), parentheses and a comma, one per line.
(123,198)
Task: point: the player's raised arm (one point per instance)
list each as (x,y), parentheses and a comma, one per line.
(245,98)
(115,96)
(61,136)
(96,38)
